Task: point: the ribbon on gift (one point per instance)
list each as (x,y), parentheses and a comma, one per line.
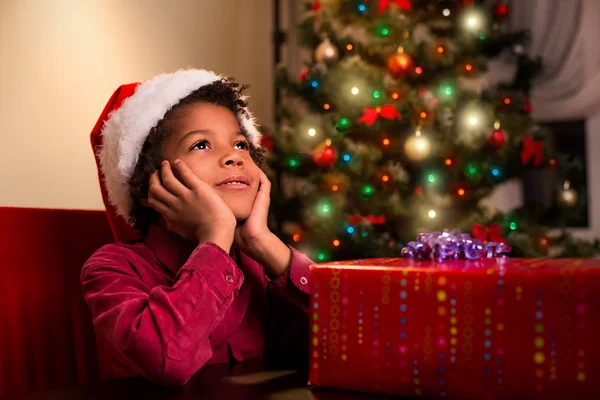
(493,233)
(452,245)
(375,220)
(370,114)
(532,149)
(402,4)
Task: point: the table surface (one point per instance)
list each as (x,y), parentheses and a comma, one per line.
(248,380)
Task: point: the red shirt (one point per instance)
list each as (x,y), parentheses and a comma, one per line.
(164,307)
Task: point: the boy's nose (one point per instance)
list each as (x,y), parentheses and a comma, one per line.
(233,159)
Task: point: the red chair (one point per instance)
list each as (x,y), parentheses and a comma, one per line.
(46,335)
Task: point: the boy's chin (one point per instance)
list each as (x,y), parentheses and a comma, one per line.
(241,212)
(241,216)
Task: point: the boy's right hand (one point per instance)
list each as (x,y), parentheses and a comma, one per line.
(191,209)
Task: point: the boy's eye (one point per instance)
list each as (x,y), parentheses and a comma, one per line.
(201,145)
(244,145)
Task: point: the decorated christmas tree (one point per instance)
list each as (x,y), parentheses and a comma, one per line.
(393,128)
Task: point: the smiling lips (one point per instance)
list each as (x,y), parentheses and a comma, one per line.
(238,182)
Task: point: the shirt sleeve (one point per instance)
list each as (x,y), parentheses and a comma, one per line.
(161,332)
(289,296)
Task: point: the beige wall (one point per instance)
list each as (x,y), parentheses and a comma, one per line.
(60,60)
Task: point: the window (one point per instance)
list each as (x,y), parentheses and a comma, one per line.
(543,187)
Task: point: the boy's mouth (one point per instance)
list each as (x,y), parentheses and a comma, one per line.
(236,182)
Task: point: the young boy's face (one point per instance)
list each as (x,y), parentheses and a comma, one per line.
(207,138)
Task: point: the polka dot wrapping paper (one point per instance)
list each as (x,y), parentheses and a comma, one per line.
(501,328)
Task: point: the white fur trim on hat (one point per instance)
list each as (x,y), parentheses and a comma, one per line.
(127,128)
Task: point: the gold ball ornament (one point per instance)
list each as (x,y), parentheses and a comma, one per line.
(326,52)
(399,63)
(417,147)
(567,197)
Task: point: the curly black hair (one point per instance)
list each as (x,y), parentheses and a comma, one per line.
(224,92)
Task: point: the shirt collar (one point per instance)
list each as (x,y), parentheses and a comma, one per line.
(171,250)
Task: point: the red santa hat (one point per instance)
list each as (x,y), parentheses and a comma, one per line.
(119,135)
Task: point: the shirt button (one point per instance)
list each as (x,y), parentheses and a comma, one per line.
(229,278)
(303,280)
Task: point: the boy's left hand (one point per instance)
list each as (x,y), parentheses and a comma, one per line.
(254,237)
(255,227)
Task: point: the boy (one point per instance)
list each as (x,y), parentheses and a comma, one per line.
(207,282)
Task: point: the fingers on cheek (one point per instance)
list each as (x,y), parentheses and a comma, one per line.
(157,205)
(265,189)
(153,191)
(154,180)
(164,210)
(168,181)
(266,182)
(177,175)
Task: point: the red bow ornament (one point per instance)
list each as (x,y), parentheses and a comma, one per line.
(402,4)
(370,114)
(374,220)
(267,141)
(491,234)
(532,149)
(354,219)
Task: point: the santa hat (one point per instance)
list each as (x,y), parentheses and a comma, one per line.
(119,135)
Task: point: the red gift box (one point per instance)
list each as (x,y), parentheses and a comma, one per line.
(489,329)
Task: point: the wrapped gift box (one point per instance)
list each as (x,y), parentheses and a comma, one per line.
(494,328)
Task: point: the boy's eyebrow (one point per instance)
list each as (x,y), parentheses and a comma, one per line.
(195,132)
(207,131)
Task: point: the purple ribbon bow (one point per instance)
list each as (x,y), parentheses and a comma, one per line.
(452,245)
